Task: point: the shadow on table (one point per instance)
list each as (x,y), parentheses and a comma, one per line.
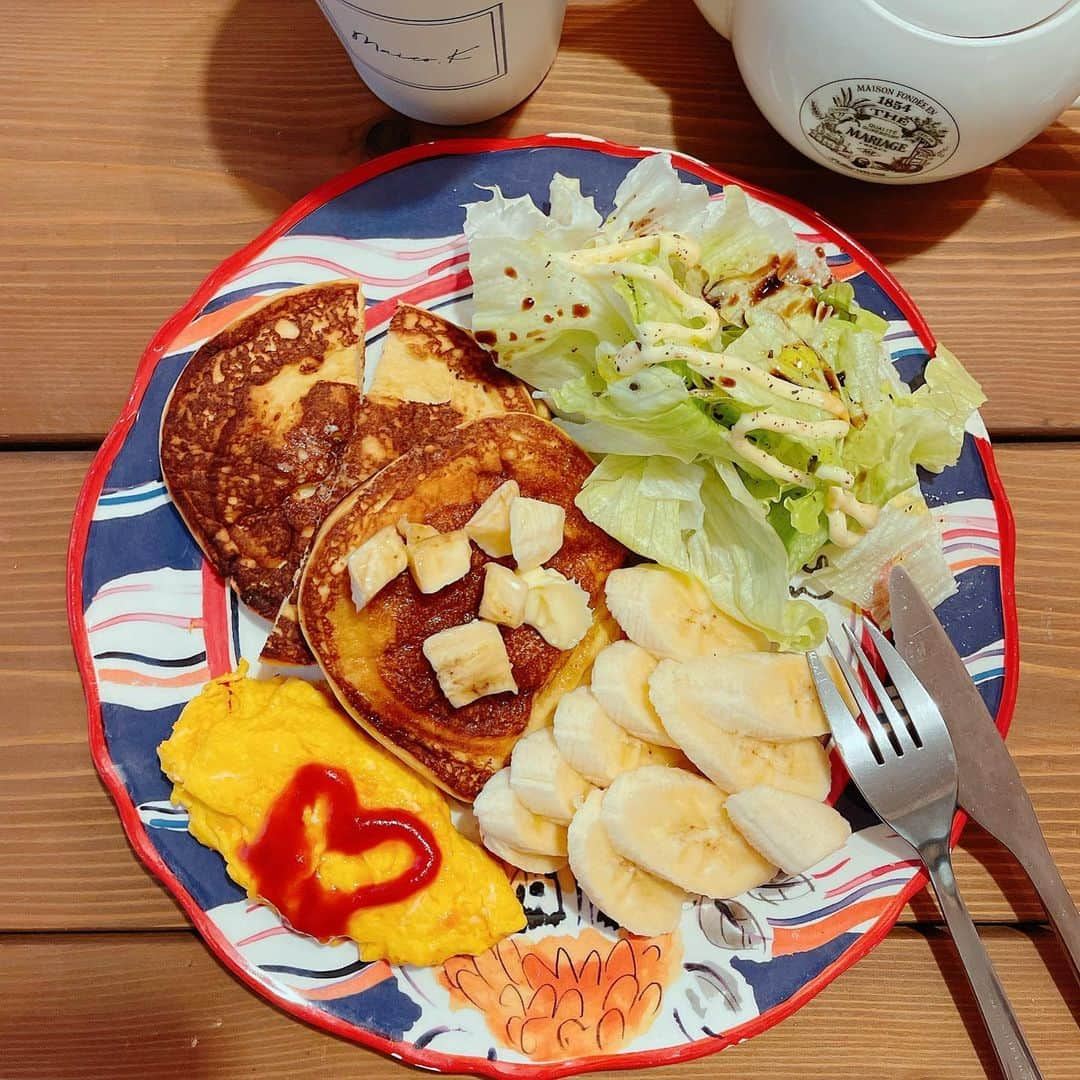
(948,963)
(1051,162)
(952,972)
(286,111)
(283,105)
(1018,891)
(714,118)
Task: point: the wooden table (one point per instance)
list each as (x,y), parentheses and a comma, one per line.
(141,143)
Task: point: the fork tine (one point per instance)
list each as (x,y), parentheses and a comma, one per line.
(855,748)
(899,727)
(869,715)
(912,692)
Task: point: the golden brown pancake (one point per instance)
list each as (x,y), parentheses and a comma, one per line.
(373,658)
(432,376)
(255,432)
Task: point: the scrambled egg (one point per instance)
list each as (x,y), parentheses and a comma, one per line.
(234,750)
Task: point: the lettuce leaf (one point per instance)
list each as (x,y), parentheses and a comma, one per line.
(654,403)
(525,290)
(907,534)
(910,430)
(704,522)
(731,382)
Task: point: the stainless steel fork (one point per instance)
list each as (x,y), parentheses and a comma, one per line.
(906,770)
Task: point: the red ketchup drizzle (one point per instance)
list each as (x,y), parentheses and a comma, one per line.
(281,859)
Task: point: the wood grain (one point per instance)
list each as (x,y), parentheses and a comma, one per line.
(142,146)
(138,1005)
(66,864)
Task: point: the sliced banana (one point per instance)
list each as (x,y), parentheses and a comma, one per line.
(536,531)
(503,816)
(528,861)
(673,824)
(544,780)
(596,746)
(470,661)
(788,829)
(767,695)
(489,527)
(374,564)
(736,762)
(556,607)
(671,615)
(634,898)
(504,597)
(620,681)
(438,560)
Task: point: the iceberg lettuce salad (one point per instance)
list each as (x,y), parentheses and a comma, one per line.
(749,424)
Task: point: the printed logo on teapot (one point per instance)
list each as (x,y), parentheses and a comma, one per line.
(877,127)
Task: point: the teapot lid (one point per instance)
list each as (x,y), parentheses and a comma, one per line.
(974,18)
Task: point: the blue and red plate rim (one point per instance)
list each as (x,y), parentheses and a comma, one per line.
(133,827)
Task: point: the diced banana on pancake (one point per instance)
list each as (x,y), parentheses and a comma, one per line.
(431,377)
(255,432)
(415,664)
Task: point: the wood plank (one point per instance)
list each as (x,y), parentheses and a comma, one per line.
(129,174)
(66,864)
(137,1005)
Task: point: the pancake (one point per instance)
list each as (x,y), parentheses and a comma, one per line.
(255,432)
(432,376)
(373,659)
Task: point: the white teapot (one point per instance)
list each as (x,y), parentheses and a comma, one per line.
(905,91)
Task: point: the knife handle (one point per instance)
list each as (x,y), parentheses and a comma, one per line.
(1039,865)
(1010,1047)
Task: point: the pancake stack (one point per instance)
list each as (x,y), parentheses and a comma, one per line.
(280,465)
(373,658)
(268,427)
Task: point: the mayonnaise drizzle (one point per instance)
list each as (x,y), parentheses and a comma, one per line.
(763,420)
(611,259)
(715,365)
(840,505)
(664,341)
(667,245)
(696,307)
(833,474)
(839,533)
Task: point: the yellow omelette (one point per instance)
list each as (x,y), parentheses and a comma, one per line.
(233,757)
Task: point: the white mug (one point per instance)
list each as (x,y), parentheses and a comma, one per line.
(449,61)
(905,91)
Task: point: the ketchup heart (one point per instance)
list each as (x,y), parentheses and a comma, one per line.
(281,857)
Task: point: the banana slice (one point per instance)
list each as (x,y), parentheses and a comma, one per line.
(596,746)
(620,681)
(788,829)
(671,615)
(544,780)
(736,762)
(673,824)
(504,817)
(489,527)
(767,695)
(470,661)
(634,898)
(374,564)
(524,860)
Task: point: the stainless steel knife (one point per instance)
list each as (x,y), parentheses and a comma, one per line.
(991,790)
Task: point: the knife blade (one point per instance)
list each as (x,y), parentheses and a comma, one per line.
(990,787)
